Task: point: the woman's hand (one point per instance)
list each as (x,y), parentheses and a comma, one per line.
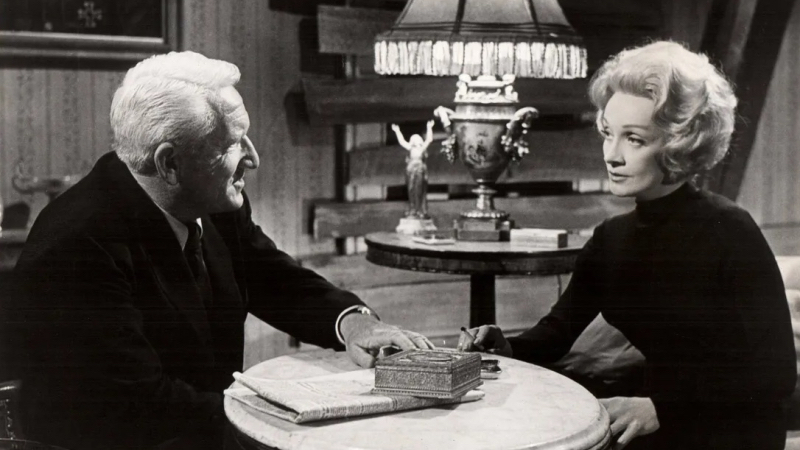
(490,339)
(630,417)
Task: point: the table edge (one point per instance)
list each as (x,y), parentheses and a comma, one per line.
(370,240)
(540,265)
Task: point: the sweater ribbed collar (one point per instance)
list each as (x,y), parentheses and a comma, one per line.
(656,211)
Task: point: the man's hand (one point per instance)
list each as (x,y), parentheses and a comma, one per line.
(489,338)
(630,417)
(366,335)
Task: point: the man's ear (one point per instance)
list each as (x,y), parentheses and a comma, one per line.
(166,162)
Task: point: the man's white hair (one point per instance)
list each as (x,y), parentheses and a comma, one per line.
(168,98)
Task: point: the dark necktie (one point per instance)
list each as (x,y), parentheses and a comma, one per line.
(193,251)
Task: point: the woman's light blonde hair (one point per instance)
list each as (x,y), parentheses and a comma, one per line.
(694,103)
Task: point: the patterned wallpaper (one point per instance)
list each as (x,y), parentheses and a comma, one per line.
(54,122)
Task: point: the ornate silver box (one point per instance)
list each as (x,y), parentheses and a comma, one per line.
(437,373)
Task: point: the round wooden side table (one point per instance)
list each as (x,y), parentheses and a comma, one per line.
(482,261)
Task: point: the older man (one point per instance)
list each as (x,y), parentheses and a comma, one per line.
(137,280)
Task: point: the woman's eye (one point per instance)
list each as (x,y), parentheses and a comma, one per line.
(604,133)
(636,141)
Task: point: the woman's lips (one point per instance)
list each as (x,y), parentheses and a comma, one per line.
(616,177)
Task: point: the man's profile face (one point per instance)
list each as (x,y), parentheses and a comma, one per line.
(213,181)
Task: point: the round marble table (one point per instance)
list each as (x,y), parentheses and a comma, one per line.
(481,260)
(527,407)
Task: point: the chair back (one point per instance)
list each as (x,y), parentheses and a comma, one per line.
(10,424)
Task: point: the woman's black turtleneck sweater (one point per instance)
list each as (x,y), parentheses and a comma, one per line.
(689,279)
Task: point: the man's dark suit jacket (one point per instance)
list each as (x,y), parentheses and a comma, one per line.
(110,336)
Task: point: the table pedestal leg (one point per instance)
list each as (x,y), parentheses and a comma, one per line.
(481,300)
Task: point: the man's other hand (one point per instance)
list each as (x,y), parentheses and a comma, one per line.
(364,337)
(630,417)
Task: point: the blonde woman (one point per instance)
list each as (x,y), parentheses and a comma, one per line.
(687,276)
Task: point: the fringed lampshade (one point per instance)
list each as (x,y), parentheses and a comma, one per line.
(525,38)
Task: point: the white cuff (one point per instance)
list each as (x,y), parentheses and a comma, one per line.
(361,309)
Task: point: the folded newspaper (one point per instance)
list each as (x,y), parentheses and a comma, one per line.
(326,397)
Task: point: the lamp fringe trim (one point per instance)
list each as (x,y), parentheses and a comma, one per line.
(451,58)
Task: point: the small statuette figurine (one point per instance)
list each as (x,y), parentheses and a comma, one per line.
(416,220)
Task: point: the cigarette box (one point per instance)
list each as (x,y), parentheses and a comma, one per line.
(436,373)
(539,237)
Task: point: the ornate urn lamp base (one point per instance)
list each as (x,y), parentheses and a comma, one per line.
(483,223)
(486,133)
(483,38)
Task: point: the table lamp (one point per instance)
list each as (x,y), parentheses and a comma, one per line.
(487,44)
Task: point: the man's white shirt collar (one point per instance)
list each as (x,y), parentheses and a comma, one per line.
(180,230)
